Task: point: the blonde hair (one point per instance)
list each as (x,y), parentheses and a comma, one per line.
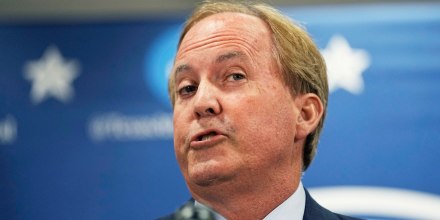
(303,68)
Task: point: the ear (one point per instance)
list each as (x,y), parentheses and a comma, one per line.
(311,110)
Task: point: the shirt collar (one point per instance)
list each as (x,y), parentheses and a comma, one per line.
(292,208)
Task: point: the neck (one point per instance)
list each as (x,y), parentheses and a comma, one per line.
(247,200)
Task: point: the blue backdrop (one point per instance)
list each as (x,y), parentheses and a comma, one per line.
(86,127)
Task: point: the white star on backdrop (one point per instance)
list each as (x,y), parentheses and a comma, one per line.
(345,65)
(51,76)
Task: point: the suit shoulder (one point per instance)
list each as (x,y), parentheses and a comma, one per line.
(314,211)
(344,217)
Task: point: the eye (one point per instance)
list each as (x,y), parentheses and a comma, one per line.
(236,77)
(187,90)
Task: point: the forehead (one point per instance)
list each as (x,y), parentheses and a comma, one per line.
(228,28)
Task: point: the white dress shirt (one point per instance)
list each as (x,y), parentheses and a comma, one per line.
(291,209)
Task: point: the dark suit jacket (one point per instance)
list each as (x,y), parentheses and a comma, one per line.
(313,211)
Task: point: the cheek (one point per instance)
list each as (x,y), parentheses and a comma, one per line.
(180,133)
(180,121)
(267,122)
(177,129)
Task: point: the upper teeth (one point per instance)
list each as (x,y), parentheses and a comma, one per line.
(207,136)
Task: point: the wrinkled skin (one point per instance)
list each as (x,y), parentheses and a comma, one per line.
(237,128)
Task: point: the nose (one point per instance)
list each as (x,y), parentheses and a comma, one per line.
(206,101)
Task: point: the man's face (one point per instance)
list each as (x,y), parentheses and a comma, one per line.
(234,118)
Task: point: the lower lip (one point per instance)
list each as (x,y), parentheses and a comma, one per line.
(207,143)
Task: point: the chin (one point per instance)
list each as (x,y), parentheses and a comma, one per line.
(208,173)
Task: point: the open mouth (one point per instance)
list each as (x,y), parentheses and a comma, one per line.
(207,136)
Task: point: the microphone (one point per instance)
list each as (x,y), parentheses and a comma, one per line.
(191,212)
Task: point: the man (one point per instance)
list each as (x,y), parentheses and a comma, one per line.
(249,92)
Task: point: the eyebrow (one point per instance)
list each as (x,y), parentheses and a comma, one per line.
(222,58)
(228,56)
(181,68)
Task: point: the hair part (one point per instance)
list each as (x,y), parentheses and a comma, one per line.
(302,66)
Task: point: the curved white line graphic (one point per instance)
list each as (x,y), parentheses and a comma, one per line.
(378,201)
